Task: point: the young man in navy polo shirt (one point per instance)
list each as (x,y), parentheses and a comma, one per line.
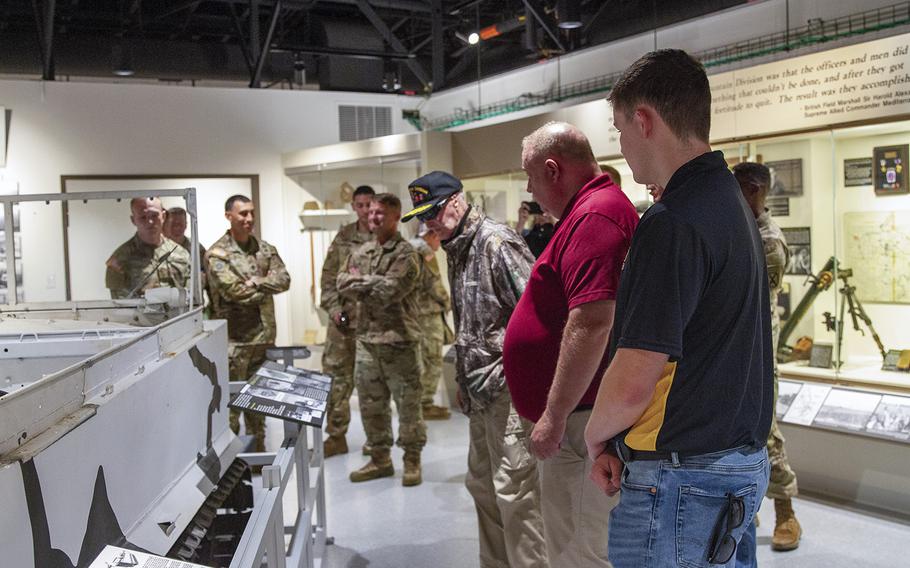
(687,399)
(555,346)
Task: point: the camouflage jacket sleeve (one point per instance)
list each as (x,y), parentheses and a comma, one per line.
(398,281)
(328,282)
(511,269)
(437,291)
(350,285)
(277,280)
(228,282)
(776,257)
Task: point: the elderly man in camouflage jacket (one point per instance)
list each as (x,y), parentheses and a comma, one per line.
(382,276)
(149,259)
(243,274)
(340,341)
(489,266)
(755,182)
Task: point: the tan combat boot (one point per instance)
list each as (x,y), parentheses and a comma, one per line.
(412,472)
(334,445)
(433,412)
(380,465)
(787,531)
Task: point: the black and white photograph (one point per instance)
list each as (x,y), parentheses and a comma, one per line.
(847,409)
(891,418)
(799,241)
(786,392)
(786,178)
(805,405)
(783,302)
(857,172)
(301,381)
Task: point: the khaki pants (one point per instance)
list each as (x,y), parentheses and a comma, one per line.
(502,479)
(576,512)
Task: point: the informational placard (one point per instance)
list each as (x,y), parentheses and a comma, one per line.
(786,178)
(799,241)
(857,172)
(821,356)
(288,393)
(116,557)
(806,404)
(876,245)
(778,206)
(847,410)
(891,418)
(848,84)
(890,169)
(786,393)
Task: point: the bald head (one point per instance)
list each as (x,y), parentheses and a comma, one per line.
(559,161)
(559,140)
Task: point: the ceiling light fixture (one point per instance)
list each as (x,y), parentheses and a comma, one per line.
(122,60)
(473,38)
(568,12)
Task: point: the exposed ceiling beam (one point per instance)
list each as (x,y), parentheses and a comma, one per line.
(244,48)
(256,82)
(403,5)
(393,41)
(44,20)
(439,56)
(543,23)
(340,51)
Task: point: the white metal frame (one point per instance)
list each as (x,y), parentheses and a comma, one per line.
(262,543)
(188,194)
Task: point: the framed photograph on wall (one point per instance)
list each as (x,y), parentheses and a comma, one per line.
(799,241)
(786,178)
(890,169)
(857,172)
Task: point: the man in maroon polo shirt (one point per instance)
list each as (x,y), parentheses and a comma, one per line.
(555,345)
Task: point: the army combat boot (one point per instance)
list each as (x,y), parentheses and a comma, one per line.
(412,472)
(433,412)
(787,531)
(380,465)
(334,445)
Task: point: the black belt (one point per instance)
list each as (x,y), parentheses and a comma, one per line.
(627,454)
(583,407)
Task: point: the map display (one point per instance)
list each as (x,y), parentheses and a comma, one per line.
(877,248)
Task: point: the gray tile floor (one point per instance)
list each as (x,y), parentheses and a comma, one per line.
(380,524)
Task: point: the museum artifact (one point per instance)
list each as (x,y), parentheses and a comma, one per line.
(849,304)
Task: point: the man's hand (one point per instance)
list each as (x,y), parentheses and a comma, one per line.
(607,473)
(547,436)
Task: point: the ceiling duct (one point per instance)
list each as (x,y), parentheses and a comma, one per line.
(342,73)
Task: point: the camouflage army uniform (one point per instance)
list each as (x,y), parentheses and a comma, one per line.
(432,305)
(340,342)
(783,479)
(388,351)
(134,264)
(249,311)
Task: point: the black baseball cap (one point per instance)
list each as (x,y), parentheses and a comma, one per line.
(429,190)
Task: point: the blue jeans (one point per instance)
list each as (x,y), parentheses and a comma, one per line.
(667,510)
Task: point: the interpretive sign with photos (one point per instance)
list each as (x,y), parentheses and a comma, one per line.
(851,410)
(287,393)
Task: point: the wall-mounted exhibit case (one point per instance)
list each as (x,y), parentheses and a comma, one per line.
(324,179)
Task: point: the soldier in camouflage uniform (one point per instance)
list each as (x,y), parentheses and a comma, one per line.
(432,306)
(340,341)
(755,181)
(148,259)
(381,275)
(243,275)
